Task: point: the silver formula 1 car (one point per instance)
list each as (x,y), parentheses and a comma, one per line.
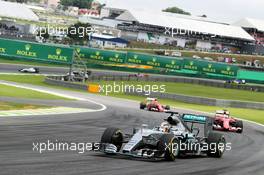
(176,136)
(29,70)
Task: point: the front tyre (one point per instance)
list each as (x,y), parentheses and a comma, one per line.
(167,107)
(169,145)
(113,136)
(239,124)
(142,105)
(216,145)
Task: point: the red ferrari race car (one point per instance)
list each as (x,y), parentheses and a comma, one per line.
(223,122)
(152,104)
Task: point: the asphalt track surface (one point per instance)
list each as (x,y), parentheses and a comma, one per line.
(13,68)
(17,135)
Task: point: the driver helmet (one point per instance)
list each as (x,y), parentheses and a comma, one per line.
(165,126)
(226,113)
(223,113)
(173,120)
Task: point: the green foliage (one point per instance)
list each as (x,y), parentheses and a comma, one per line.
(79,32)
(77,3)
(176,10)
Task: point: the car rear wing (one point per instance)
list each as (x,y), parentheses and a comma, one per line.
(194,118)
(207,122)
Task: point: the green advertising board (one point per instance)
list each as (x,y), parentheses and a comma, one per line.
(64,55)
(191,64)
(154,60)
(219,68)
(30,50)
(210,67)
(101,55)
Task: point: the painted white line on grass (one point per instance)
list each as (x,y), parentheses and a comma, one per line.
(103,107)
(47,111)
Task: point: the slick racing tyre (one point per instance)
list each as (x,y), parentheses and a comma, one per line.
(239,124)
(142,105)
(113,136)
(216,144)
(167,107)
(169,145)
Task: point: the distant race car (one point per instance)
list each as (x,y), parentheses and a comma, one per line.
(177,136)
(224,122)
(152,104)
(78,76)
(138,75)
(237,81)
(29,70)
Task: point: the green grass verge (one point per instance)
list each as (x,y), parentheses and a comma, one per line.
(30,62)
(28,79)
(31,79)
(198,90)
(10,91)
(248,114)
(6,106)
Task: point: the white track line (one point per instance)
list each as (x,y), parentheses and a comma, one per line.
(103,107)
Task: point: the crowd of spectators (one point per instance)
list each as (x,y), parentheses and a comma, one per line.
(13,32)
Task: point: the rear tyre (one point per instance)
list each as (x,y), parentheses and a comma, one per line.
(169,145)
(216,145)
(167,107)
(37,70)
(113,136)
(239,124)
(142,105)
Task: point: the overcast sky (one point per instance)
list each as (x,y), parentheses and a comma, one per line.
(220,10)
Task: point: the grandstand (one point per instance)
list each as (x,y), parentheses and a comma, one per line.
(255,28)
(16,11)
(178,30)
(12,16)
